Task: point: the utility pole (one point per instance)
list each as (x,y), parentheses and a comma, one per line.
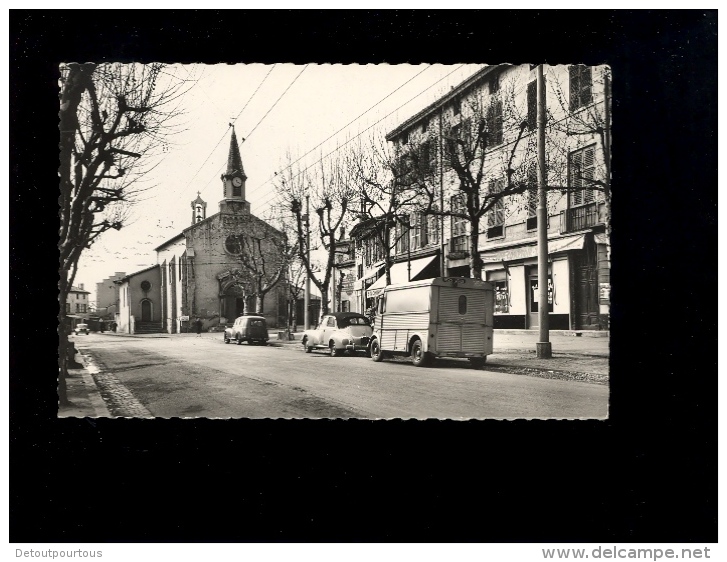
(306,298)
(543,346)
(443,267)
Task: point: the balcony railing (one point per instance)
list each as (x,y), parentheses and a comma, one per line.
(458,247)
(579,218)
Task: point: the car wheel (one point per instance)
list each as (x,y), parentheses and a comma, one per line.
(306,347)
(239,340)
(334,352)
(418,356)
(225,338)
(478,362)
(375,351)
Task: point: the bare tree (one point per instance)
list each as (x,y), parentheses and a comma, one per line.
(114,119)
(465,151)
(584,120)
(265,255)
(326,192)
(384,195)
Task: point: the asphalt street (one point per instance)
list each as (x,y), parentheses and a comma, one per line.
(186,376)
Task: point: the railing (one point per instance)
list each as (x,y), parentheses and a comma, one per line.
(579,218)
(458,247)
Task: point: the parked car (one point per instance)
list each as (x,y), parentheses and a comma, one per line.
(81,329)
(252,329)
(339,332)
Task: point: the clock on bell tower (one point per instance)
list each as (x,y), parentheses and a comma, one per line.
(233,180)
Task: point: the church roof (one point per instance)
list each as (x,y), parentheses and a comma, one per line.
(234,160)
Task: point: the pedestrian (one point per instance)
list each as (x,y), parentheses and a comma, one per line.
(198,327)
(101,326)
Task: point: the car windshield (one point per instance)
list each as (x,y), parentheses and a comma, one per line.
(354,321)
(256,322)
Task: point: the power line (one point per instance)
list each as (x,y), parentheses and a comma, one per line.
(267,201)
(255,92)
(349,123)
(276,103)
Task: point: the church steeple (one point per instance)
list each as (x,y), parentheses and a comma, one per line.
(233,180)
(234,160)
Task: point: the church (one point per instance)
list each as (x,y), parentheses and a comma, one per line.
(218,268)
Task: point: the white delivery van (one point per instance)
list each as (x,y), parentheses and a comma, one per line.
(440,317)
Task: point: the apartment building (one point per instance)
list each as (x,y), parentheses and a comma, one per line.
(486,127)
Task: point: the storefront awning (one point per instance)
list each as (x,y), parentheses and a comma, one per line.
(531,251)
(400,274)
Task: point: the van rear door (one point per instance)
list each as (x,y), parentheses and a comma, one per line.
(462,314)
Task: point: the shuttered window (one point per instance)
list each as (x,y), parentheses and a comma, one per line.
(580,86)
(532,105)
(581,174)
(494,122)
(496,215)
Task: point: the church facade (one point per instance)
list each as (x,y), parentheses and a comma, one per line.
(223,265)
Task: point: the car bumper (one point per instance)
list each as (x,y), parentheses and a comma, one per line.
(359,344)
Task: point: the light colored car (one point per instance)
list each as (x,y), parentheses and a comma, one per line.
(252,329)
(81,329)
(339,332)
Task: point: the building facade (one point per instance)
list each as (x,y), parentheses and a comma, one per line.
(107,296)
(213,269)
(499,103)
(77,306)
(140,304)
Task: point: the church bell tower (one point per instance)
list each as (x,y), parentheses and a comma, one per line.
(199,210)
(233,181)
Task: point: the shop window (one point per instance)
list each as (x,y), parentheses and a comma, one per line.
(502,297)
(535,295)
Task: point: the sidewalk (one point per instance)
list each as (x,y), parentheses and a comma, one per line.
(83,395)
(574,358)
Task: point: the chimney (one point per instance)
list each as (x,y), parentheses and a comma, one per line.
(80,286)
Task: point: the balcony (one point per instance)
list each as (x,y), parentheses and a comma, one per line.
(458,248)
(579,218)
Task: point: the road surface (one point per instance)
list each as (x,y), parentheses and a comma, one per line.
(186,376)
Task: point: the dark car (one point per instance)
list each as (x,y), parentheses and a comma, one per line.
(252,329)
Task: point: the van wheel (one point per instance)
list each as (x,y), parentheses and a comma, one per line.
(375,351)
(239,340)
(478,362)
(418,357)
(334,351)
(224,337)
(306,347)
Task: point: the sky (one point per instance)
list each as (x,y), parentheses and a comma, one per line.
(306,111)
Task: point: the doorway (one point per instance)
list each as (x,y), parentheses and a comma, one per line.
(533,289)
(146,313)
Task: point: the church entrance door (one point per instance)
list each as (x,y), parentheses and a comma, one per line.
(239,306)
(145,311)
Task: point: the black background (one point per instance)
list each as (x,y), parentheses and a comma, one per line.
(647,474)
